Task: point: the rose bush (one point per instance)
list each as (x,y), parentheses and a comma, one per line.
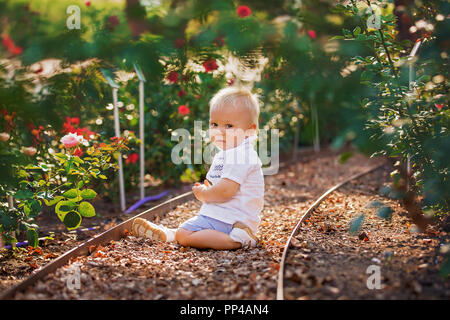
(59,170)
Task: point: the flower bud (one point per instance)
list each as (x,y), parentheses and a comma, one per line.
(4,136)
(29,151)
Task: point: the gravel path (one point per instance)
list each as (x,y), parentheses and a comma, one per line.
(135,268)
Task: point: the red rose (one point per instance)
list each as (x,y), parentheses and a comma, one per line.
(67,128)
(439,106)
(74,120)
(181,93)
(113,21)
(7,41)
(311,34)
(179,43)
(85,132)
(172,76)
(87,3)
(132,158)
(219,41)
(183,110)
(78,152)
(9,44)
(16,51)
(243,11)
(210,65)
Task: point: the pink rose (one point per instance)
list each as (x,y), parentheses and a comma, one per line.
(29,151)
(71,140)
(4,136)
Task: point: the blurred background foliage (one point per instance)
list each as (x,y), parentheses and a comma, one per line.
(303,58)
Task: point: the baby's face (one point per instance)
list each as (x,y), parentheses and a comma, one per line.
(229,126)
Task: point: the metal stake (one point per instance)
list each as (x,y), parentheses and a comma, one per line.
(411,81)
(141,126)
(11,207)
(115,88)
(315,119)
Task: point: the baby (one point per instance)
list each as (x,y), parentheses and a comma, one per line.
(233,195)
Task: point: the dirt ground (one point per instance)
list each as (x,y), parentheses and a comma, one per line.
(328,262)
(135,268)
(17,265)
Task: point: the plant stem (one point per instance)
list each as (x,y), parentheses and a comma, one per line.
(388,55)
(383,42)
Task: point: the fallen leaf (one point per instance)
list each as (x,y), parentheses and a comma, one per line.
(34,265)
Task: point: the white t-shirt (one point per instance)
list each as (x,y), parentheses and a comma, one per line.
(242,165)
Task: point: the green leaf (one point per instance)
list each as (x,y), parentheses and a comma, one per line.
(68,166)
(424,78)
(385,212)
(338,142)
(53,201)
(72,220)
(32,167)
(343,158)
(61,156)
(102,176)
(8,221)
(347,33)
(22,174)
(337,38)
(356,224)
(32,237)
(77,159)
(88,194)
(80,184)
(23,194)
(44,167)
(63,207)
(357,31)
(36,206)
(361,37)
(72,193)
(86,209)
(385,191)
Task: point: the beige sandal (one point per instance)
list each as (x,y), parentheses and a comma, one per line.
(146,229)
(240,225)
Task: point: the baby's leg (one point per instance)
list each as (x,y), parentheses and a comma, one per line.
(206,238)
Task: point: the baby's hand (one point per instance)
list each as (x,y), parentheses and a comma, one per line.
(199,189)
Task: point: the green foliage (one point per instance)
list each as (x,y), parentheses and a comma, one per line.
(406,119)
(356,224)
(357,83)
(385,212)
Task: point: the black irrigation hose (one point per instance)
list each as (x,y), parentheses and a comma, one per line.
(280,285)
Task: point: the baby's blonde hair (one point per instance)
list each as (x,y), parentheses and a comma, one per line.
(230,95)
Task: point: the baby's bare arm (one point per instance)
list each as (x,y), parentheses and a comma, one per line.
(222,191)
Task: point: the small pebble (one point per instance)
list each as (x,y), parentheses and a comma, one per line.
(376,260)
